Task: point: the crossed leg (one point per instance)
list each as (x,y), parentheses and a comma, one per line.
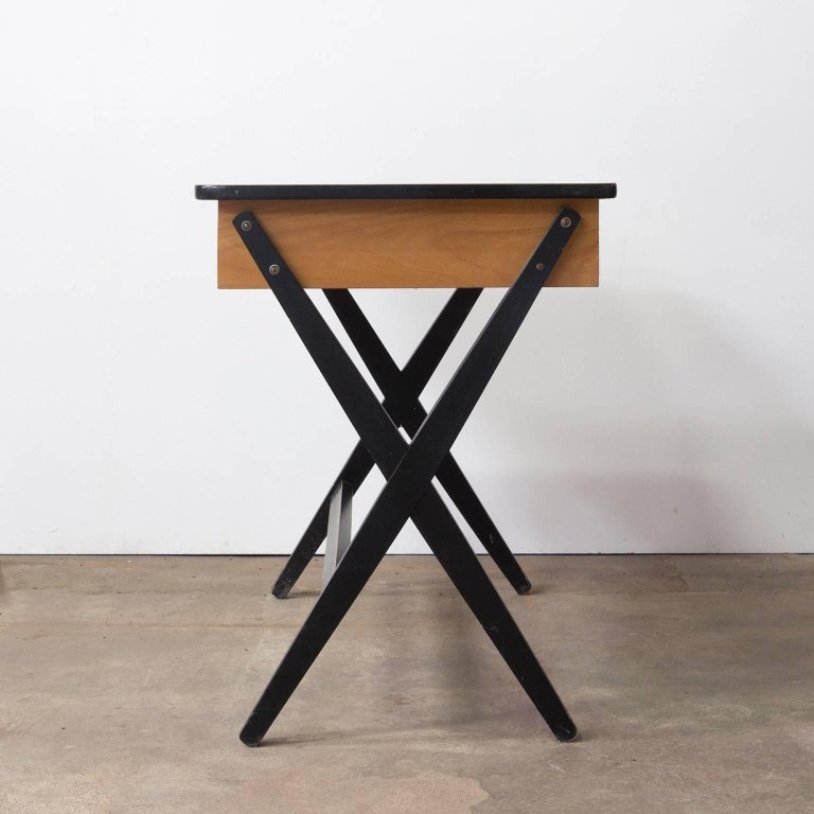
(401,389)
(409,470)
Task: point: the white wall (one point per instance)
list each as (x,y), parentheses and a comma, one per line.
(144,411)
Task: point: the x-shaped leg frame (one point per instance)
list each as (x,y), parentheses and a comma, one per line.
(409,470)
(402,389)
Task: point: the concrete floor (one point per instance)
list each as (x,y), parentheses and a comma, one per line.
(124,681)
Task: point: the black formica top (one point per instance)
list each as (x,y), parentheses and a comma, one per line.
(298,192)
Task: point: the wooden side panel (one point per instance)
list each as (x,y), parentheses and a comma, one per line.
(408,243)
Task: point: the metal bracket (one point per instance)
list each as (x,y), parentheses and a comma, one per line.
(337,539)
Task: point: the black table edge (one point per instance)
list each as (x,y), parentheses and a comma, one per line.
(299,192)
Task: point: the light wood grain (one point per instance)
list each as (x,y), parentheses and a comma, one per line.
(407,243)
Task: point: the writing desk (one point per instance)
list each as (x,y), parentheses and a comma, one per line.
(459,236)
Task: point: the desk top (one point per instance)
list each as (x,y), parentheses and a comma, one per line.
(324,192)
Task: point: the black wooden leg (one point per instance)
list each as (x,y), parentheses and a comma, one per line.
(463,496)
(468,576)
(409,471)
(401,390)
(350,577)
(459,561)
(457,487)
(417,372)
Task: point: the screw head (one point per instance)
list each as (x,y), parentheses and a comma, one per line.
(565,222)
(274,269)
(539,267)
(246,225)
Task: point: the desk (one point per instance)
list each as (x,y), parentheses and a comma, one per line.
(465,237)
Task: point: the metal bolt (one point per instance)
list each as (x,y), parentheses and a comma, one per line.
(565,223)
(246,225)
(539,267)
(274,268)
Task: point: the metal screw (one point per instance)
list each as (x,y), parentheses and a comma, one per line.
(274,268)
(539,267)
(565,223)
(246,226)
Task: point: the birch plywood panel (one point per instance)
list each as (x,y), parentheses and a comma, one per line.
(407,243)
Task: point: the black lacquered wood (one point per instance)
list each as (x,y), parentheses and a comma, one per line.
(409,472)
(305,192)
(420,367)
(401,403)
